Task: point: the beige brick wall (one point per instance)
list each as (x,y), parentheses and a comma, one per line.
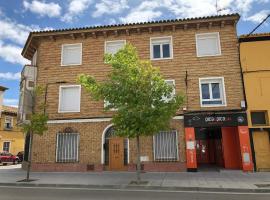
(44,147)
(184,59)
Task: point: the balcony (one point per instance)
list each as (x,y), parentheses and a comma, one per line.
(27,84)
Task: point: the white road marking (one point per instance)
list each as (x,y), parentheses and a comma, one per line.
(131,190)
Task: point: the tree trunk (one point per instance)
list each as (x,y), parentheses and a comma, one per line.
(29,157)
(138,160)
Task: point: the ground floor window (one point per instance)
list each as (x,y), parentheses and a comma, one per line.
(67,147)
(166,146)
(6,146)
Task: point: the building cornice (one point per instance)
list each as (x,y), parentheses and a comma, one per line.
(127,29)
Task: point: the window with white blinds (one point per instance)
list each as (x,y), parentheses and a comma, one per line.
(69,98)
(67,147)
(112,47)
(166,146)
(71,54)
(208,44)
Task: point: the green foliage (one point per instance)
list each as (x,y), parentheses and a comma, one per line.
(38,121)
(37,124)
(138,91)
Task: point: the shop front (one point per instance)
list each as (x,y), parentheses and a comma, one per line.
(217,140)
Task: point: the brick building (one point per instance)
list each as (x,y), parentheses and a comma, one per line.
(198,56)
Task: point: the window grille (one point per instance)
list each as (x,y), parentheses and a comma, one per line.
(166,146)
(67,147)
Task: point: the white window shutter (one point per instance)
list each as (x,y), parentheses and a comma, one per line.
(208,45)
(72,54)
(70,99)
(113,46)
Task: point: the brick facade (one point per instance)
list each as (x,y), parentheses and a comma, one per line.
(185,68)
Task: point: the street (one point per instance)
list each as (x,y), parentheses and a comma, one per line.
(41,193)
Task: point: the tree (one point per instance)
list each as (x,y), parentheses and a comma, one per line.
(36,125)
(142,99)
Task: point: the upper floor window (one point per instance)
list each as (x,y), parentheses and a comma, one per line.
(259,118)
(161,48)
(212,91)
(171,83)
(8,123)
(208,44)
(71,54)
(112,47)
(69,98)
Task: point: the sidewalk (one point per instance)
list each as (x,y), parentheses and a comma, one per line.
(227,180)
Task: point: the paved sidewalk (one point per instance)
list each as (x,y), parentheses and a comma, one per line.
(226,180)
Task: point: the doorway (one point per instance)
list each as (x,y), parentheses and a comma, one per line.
(262,150)
(115,154)
(209,149)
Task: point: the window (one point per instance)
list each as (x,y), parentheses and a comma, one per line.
(6,146)
(171,83)
(8,122)
(71,54)
(67,148)
(212,92)
(208,44)
(166,146)
(107,103)
(259,118)
(161,48)
(69,98)
(113,46)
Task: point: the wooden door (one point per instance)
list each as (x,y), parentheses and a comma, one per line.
(116,153)
(262,150)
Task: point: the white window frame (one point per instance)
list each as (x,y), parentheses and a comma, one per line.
(7,141)
(11,121)
(62,53)
(152,39)
(112,41)
(174,89)
(60,100)
(208,35)
(107,103)
(78,148)
(223,94)
(177,149)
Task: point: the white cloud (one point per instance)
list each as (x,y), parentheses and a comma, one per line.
(12,36)
(146,11)
(110,7)
(151,9)
(13,31)
(12,53)
(258,17)
(42,8)
(11,102)
(10,75)
(75,8)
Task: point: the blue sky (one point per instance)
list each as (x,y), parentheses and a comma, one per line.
(19,17)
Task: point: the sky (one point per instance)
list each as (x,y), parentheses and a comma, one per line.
(19,17)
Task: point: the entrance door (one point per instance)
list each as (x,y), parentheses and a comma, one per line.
(262,150)
(116,152)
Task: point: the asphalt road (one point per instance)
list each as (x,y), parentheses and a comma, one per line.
(34,193)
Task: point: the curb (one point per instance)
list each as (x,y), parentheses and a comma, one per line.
(142,187)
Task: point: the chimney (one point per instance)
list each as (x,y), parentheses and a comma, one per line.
(2,90)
